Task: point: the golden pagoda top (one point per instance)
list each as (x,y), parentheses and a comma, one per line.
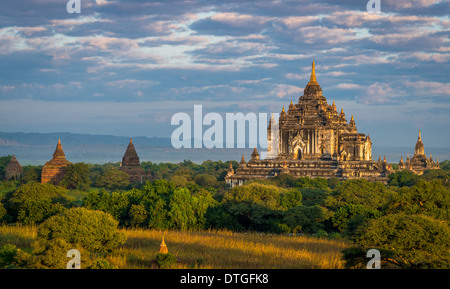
(313,72)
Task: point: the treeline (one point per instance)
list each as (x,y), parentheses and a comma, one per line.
(410,213)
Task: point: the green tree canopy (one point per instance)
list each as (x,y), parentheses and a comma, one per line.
(33,202)
(95,231)
(402,178)
(113,179)
(414,241)
(76,177)
(427,198)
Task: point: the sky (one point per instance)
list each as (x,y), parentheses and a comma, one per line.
(126,67)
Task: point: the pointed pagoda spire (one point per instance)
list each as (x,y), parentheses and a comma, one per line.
(333,106)
(419,149)
(283,112)
(131,158)
(59,153)
(13,169)
(255,154)
(313,72)
(352,122)
(163,248)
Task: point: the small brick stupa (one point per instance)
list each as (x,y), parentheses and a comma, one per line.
(54,170)
(13,170)
(132,166)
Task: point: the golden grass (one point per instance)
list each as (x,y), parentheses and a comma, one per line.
(215,249)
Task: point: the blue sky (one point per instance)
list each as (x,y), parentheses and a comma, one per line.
(125,67)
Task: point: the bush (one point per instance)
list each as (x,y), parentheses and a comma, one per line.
(95,231)
(165,261)
(101,264)
(51,254)
(7,255)
(415,241)
(34,202)
(322,234)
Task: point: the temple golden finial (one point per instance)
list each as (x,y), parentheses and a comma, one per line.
(163,248)
(420,136)
(59,140)
(313,72)
(291,102)
(283,109)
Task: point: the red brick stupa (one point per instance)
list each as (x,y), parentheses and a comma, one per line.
(132,166)
(13,170)
(54,170)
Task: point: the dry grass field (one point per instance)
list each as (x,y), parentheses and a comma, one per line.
(211,249)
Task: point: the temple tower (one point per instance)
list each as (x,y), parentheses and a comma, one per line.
(132,165)
(54,170)
(13,170)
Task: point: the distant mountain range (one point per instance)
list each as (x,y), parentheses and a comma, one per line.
(71,139)
(38,148)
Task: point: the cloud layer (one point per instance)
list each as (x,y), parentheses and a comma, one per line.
(230,55)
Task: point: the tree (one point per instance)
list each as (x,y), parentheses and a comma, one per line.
(76,177)
(402,178)
(309,219)
(138,215)
(206,180)
(259,207)
(358,192)
(413,241)
(34,202)
(427,198)
(113,180)
(4,161)
(30,176)
(182,210)
(94,231)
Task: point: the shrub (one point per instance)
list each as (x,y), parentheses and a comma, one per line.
(7,255)
(101,264)
(51,254)
(34,202)
(95,231)
(321,234)
(165,261)
(416,241)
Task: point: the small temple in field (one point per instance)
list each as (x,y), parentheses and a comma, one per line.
(312,139)
(54,170)
(13,170)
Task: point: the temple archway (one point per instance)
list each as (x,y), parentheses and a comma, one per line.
(297,153)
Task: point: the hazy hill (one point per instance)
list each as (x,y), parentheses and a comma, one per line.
(38,148)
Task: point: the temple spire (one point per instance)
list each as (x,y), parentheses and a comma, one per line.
(313,72)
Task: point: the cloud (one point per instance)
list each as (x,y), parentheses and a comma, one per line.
(428,89)
(285,91)
(224,53)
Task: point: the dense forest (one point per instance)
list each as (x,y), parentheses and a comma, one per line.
(406,219)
